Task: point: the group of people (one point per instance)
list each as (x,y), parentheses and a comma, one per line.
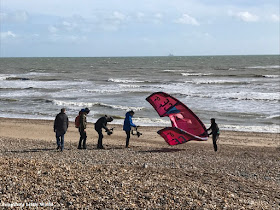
(61,124)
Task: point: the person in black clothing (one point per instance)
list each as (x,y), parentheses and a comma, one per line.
(60,127)
(215,133)
(102,123)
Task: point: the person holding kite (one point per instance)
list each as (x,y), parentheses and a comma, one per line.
(215,132)
(127,126)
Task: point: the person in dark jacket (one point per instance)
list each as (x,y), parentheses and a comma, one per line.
(102,123)
(60,127)
(215,132)
(127,126)
(82,128)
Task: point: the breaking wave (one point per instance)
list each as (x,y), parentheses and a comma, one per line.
(264,67)
(214,81)
(96,104)
(126,81)
(195,74)
(242,96)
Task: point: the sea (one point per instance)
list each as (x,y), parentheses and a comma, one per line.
(241,92)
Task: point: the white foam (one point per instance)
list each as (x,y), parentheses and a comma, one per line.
(71,103)
(152,121)
(272,76)
(252,96)
(242,95)
(125,80)
(264,67)
(91,104)
(169,70)
(6,76)
(259,129)
(195,74)
(218,81)
(129,86)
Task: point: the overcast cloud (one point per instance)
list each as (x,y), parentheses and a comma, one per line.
(138,28)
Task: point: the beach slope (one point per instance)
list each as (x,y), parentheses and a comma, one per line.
(244,173)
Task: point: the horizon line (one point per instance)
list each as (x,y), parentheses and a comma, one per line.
(138,56)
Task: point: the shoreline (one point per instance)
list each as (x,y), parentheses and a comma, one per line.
(273,128)
(43,130)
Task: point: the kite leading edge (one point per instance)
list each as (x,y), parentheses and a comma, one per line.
(186,125)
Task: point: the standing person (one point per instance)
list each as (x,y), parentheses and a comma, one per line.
(215,133)
(102,123)
(127,126)
(82,128)
(60,127)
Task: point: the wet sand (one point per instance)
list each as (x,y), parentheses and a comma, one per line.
(244,173)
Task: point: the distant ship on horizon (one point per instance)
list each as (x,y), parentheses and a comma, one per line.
(170,54)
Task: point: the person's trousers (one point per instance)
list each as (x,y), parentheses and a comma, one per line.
(83,139)
(215,138)
(100,137)
(127,138)
(60,139)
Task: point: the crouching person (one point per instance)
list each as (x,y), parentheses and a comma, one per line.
(102,123)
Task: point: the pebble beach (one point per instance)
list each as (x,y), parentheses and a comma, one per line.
(243,174)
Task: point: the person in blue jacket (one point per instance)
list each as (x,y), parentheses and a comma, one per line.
(127,126)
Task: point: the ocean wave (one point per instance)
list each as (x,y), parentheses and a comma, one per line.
(116,117)
(196,74)
(264,67)
(274,117)
(216,81)
(102,90)
(173,70)
(130,86)
(9,99)
(271,76)
(126,81)
(151,121)
(2,77)
(17,78)
(96,104)
(242,96)
(258,129)
(116,91)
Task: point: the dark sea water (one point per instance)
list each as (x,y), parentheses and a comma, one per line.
(241,92)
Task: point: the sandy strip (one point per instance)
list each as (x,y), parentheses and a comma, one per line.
(43,130)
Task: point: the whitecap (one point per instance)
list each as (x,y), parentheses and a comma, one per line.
(195,74)
(125,80)
(264,67)
(92,104)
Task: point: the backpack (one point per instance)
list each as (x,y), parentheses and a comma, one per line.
(77,121)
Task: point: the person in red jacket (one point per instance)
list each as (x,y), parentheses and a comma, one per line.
(82,128)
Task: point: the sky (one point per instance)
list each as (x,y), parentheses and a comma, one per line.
(104,28)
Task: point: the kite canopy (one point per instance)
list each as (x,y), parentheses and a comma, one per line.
(186,125)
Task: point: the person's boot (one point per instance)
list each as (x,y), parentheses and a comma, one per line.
(100,147)
(84,145)
(80,143)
